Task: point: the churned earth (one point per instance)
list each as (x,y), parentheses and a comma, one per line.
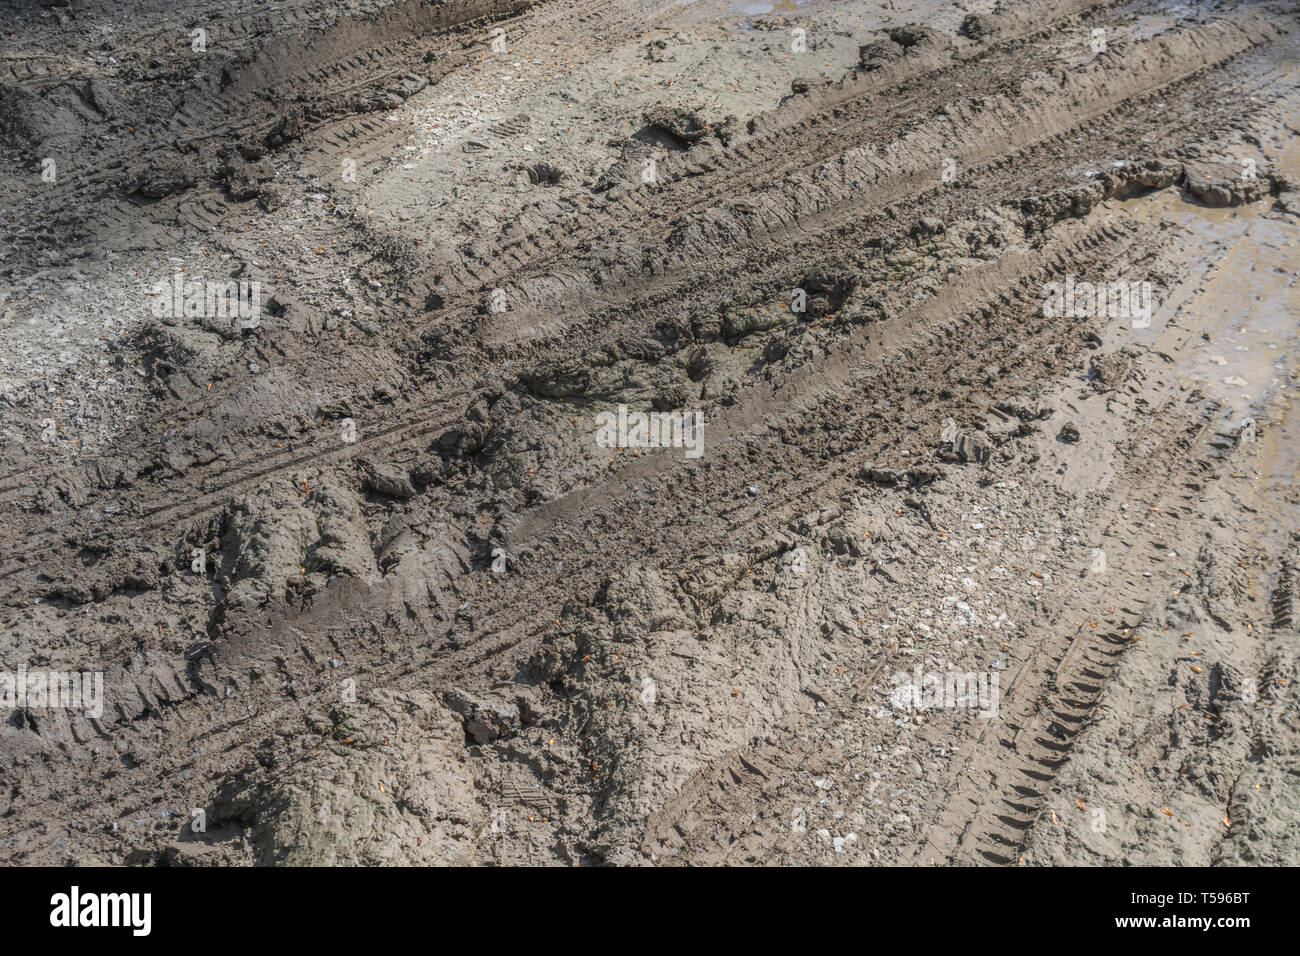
(967,564)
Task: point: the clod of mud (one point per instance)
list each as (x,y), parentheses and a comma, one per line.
(683,124)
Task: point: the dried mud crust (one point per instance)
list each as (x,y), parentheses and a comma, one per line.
(436,623)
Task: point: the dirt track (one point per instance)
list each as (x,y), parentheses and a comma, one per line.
(434,620)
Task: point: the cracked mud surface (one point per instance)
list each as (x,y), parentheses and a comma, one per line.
(365,587)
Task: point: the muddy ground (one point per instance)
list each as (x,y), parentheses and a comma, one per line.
(368,580)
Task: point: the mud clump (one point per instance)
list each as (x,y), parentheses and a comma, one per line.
(974,27)
(164,176)
(545,174)
(1221,184)
(683,124)
(386,783)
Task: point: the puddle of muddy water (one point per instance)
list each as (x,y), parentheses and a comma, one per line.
(1249,303)
(1242,294)
(1241,301)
